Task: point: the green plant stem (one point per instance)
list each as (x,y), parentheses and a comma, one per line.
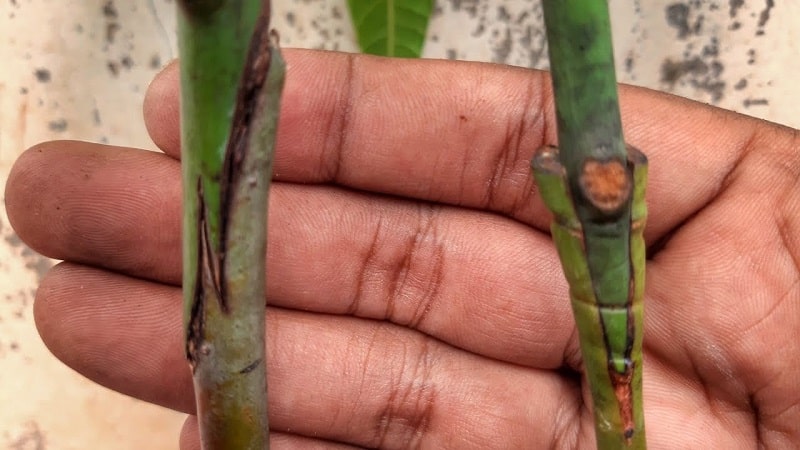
(616,395)
(595,189)
(227,139)
(584,81)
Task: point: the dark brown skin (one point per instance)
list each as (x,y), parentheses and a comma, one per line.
(474,346)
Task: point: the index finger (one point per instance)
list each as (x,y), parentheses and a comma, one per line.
(463,133)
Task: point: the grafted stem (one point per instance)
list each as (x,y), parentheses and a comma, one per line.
(231,82)
(594,186)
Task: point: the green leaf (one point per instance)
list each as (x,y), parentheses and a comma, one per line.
(391,27)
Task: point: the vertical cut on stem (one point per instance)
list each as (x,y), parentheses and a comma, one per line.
(231,81)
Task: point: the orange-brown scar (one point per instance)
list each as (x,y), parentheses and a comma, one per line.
(605,184)
(624,394)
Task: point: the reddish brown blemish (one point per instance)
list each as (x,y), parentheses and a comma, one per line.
(606,184)
(624,394)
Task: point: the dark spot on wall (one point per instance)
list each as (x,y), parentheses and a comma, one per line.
(96,117)
(711,49)
(36,263)
(672,71)
(470,6)
(527,37)
(696,73)
(57,125)
(155,61)
(678,18)
(697,27)
(502,14)
(110,11)
(290,18)
(126,61)
(503,48)
(111,31)
(763,17)
(42,75)
(451,53)
(748,102)
(741,84)
(734,5)
(113,68)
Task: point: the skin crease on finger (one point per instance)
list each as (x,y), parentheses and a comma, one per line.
(708,326)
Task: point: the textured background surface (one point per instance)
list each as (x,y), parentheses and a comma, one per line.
(79,69)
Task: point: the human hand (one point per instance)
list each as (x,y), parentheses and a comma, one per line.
(415,298)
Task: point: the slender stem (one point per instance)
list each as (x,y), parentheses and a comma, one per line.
(227,138)
(584,81)
(595,188)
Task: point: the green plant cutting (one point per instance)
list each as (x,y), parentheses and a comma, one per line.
(231,81)
(594,185)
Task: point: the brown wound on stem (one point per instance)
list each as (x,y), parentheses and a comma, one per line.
(196,330)
(606,184)
(624,394)
(254,76)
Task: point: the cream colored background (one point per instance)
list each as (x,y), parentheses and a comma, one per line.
(79,69)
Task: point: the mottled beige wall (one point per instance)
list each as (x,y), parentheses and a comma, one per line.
(79,69)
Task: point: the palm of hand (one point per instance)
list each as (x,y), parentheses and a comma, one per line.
(438,317)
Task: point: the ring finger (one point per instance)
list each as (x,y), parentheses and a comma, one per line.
(363,382)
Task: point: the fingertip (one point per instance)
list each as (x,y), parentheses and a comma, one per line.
(23,189)
(162,110)
(45,324)
(58,311)
(68,200)
(119,332)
